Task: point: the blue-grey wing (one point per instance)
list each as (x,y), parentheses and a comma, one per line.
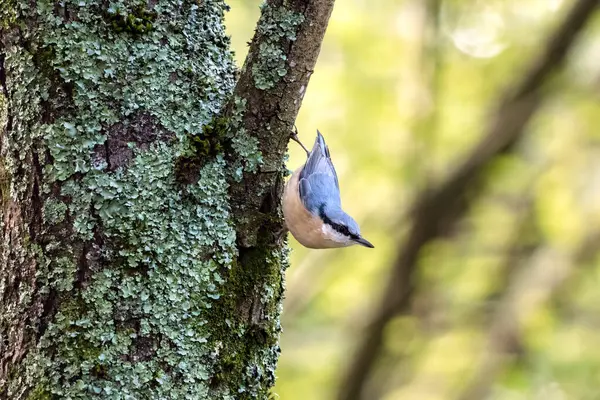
(318,189)
(318,182)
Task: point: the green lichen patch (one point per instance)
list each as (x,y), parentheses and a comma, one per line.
(245,155)
(8,13)
(201,148)
(138,20)
(141,325)
(223,135)
(277,27)
(54,211)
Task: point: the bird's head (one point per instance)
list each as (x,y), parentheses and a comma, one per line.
(340,227)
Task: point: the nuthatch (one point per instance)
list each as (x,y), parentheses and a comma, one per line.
(311,203)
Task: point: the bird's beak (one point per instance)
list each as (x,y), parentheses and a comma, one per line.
(364,242)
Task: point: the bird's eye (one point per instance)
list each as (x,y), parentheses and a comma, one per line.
(343,229)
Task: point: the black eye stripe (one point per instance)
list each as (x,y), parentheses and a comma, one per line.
(337,227)
(323,216)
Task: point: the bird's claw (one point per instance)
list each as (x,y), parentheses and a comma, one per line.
(294,137)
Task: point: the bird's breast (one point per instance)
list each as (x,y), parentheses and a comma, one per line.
(307,228)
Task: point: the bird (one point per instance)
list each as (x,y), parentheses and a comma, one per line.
(312,207)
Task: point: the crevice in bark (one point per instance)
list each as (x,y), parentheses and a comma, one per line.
(49,307)
(142,130)
(90,260)
(35,225)
(9,116)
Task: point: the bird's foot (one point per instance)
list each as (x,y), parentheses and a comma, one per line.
(294,137)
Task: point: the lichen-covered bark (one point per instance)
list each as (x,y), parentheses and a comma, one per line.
(141,254)
(109,269)
(262,111)
(256,124)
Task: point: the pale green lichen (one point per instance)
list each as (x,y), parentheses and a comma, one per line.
(277,26)
(244,145)
(54,211)
(8,13)
(142,323)
(223,135)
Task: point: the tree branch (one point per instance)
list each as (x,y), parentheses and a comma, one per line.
(272,83)
(438,209)
(527,292)
(257,122)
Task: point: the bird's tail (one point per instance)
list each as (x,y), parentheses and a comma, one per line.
(320,145)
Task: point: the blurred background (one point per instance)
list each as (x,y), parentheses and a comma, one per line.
(507,304)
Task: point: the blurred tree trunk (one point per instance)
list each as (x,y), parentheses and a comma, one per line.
(142,252)
(441,207)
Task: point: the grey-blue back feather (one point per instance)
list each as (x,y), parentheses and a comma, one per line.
(318,182)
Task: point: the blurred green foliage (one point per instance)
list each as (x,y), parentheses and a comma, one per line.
(401,94)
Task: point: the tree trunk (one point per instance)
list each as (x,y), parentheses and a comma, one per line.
(439,208)
(142,251)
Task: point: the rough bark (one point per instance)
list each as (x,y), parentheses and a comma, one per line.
(439,208)
(121,271)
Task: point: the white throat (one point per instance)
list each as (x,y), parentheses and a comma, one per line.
(333,235)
